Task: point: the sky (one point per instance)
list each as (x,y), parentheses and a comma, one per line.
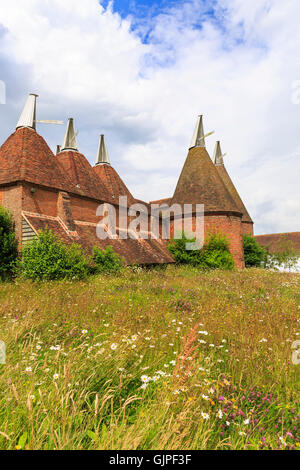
(142,71)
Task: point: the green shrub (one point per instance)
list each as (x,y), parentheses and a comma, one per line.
(107,261)
(47,258)
(255,255)
(8,245)
(214,255)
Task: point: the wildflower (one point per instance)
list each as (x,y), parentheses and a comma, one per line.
(247,421)
(220,414)
(205,397)
(263,340)
(28,369)
(144,386)
(203,333)
(84,332)
(38,347)
(204,415)
(55,376)
(113,347)
(145,379)
(282,441)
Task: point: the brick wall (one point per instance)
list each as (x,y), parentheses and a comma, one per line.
(229,225)
(247,229)
(39,200)
(12,200)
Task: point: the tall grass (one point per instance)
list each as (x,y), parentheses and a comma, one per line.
(174,359)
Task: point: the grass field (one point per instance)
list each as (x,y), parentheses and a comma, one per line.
(161,359)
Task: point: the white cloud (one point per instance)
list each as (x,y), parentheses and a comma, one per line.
(236,68)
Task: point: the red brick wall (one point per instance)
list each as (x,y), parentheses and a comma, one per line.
(247,229)
(84,209)
(19,197)
(231,226)
(12,200)
(42,201)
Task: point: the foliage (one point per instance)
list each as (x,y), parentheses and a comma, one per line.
(215,253)
(178,359)
(8,245)
(255,255)
(47,258)
(107,261)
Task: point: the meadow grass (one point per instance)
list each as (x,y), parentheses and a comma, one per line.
(151,359)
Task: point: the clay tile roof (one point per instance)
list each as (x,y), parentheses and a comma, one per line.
(113,182)
(132,251)
(200,183)
(233,191)
(25,156)
(162,202)
(84,179)
(274,239)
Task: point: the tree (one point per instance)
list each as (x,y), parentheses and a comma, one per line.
(8,245)
(255,255)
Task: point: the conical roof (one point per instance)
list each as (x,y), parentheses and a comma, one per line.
(25,156)
(220,167)
(81,173)
(200,183)
(109,176)
(114,183)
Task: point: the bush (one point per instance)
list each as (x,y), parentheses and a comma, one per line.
(255,255)
(107,261)
(214,255)
(8,245)
(47,258)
